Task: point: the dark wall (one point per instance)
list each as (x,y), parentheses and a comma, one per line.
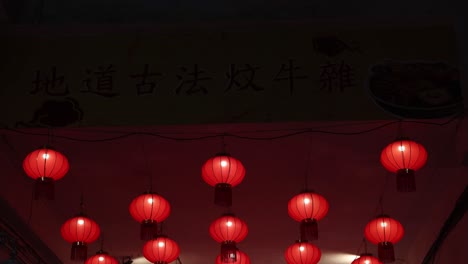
(141,11)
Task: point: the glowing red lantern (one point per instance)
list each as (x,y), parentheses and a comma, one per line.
(228,230)
(80,231)
(161,250)
(384,232)
(149,209)
(239,258)
(308,208)
(404,157)
(45,166)
(302,253)
(366,259)
(101,257)
(223,172)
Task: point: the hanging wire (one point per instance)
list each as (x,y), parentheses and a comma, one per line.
(400,128)
(358,251)
(210,136)
(365,245)
(379,209)
(308,164)
(160,227)
(361,245)
(48,144)
(223,143)
(102,241)
(228,210)
(147,164)
(251,131)
(82,207)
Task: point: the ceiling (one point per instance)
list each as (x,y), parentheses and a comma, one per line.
(344,169)
(144,11)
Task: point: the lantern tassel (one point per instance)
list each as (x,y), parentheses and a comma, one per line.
(406,181)
(148,230)
(44,189)
(79,251)
(228,252)
(223,194)
(386,252)
(309,229)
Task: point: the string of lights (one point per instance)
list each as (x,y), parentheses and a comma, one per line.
(379,207)
(283,133)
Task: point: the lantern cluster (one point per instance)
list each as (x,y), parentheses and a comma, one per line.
(224,172)
(46,166)
(307,208)
(403,157)
(228,230)
(150,210)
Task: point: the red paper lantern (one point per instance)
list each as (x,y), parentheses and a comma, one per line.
(366,259)
(101,257)
(308,208)
(223,172)
(80,231)
(149,209)
(302,253)
(161,250)
(228,230)
(45,166)
(239,258)
(384,232)
(404,157)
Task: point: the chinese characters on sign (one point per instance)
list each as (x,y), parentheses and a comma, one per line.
(289,73)
(100,82)
(242,78)
(195,80)
(49,84)
(192,81)
(147,81)
(336,77)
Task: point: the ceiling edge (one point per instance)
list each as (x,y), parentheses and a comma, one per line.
(23,239)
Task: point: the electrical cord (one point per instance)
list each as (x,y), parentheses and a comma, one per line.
(295,132)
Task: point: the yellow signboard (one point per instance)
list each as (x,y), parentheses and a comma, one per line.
(222,75)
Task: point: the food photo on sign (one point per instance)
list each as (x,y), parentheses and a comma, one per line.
(416,89)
